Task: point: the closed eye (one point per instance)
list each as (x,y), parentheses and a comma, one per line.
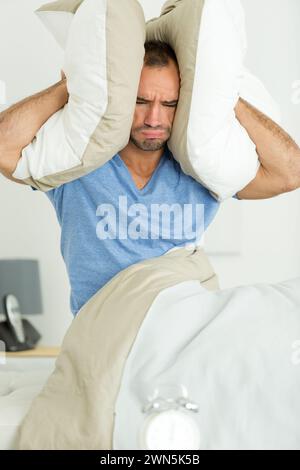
(168,105)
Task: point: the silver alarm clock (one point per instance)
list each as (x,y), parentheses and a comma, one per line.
(169,421)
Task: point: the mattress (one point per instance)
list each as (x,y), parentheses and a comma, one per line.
(21,379)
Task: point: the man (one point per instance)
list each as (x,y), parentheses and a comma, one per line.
(98,241)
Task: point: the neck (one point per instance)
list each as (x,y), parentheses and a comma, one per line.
(139,161)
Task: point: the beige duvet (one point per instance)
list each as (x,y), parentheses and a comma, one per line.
(76,408)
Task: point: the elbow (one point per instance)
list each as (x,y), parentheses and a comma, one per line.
(293,178)
(292,183)
(2,157)
(8,161)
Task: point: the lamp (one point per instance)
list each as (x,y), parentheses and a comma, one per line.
(20,293)
(21,277)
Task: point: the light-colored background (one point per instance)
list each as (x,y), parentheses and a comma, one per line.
(249,241)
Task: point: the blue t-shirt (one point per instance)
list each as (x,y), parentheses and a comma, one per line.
(107,223)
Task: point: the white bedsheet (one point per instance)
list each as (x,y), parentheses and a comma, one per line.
(238,353)
(21,379)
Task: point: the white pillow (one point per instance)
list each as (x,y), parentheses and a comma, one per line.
(102,79)
(209,39)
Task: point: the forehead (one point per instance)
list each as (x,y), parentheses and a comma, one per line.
(162,81)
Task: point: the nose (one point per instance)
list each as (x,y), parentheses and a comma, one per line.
(153,115)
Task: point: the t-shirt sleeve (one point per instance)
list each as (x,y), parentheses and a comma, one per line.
(55,196)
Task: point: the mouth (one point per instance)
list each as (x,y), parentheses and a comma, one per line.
(153,134)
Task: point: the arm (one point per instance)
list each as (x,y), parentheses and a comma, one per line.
(20,123)
(279,155)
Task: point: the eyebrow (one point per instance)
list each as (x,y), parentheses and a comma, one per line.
(164,102)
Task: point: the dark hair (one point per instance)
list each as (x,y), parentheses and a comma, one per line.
(158,54)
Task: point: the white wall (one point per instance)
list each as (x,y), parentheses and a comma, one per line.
(263,234)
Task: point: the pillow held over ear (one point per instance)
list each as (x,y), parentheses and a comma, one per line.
(103,61)
(209,40)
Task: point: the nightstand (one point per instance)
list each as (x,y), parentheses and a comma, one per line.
(39,351)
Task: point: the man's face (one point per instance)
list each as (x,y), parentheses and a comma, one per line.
(157,99)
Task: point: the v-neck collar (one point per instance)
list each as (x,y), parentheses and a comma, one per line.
(149,182)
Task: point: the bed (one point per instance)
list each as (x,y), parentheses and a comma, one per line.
(159,325)
(21,379)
